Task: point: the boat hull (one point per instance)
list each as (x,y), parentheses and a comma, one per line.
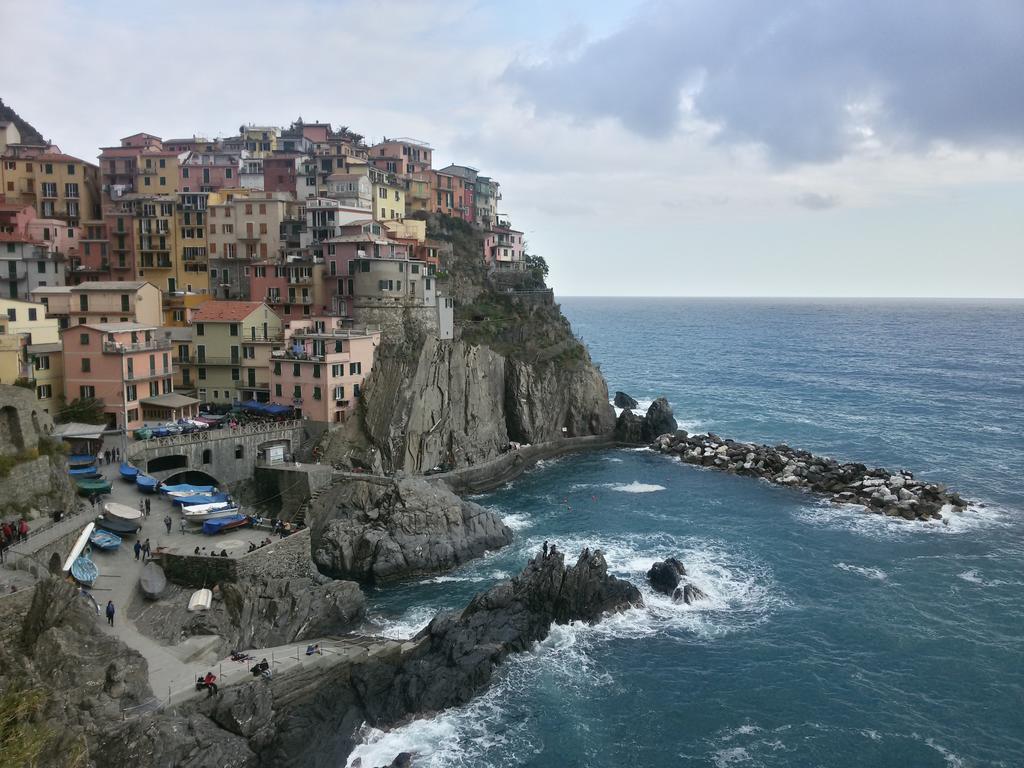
(105,540)
(119,526)
(221,524)
(200,600)
(146,484)
(153,581)
(84,571)
(128,472)
(89,486)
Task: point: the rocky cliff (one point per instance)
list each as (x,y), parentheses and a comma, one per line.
(514,372)
(381,530)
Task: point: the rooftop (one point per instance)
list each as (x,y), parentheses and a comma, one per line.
(170,400)
(111,285)
(225,311)
(116,327)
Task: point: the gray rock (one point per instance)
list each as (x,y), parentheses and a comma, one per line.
(383,531)
(665,575)
(629,428)
(622,400)
(659,420)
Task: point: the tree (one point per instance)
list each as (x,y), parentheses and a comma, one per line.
(538,267)
(82,410)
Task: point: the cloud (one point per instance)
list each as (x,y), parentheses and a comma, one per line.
(809,81)
(814,201)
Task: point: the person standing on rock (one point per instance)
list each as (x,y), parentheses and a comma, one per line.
(167,522)
(110,612)
(138,549)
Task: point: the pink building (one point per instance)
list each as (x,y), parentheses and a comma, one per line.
(92,261)
(364,239)
(127,367)
(14,218)
(322,368)
(503,248)
(280,172)
(209,171)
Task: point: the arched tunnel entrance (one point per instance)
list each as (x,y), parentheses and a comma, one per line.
(163,463)
(192,477)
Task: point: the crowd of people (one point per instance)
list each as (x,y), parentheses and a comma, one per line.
(11,532)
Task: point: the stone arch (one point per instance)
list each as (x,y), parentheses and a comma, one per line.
(10,428)
(162,463)
(192,476)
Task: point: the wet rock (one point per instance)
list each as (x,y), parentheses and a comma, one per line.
(665,575)
(688,594)
(622,400)
(659,420)
(629,428)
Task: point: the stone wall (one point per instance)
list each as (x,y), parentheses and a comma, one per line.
(13,607)
(279,491)
(283,559)
(220,448)
(22,421)
(398,324)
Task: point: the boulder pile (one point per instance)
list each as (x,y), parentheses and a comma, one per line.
(877,489)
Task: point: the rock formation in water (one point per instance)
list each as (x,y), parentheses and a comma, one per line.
(622,400)
(878,489)
(665,575)
(630,428)
(381,530)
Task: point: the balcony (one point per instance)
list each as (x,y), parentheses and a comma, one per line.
(143,375)
(213,360)
(116,348)
(299,300)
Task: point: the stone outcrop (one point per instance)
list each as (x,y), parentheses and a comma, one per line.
(688,594)
(381,530)
(456,654)
(630,428)
(33,471)
(622,400)
(665,575)
(877,489)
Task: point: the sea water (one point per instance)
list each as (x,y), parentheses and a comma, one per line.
(829,637)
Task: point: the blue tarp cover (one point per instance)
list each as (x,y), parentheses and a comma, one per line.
(217,524)
(187,488)
(202,498)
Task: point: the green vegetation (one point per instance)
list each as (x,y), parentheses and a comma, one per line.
(24,383)
(25,738)
(86,410)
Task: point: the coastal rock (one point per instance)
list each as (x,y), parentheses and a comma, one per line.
(659,420)
(622,400)
(455,655)
(688,594)
(377,530)
(665,575)
(629,428)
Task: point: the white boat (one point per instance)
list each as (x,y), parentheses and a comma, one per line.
(121,511)
(200,600)
(80,543)
(200,512)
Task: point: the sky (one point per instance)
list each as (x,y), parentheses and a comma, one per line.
(645,147)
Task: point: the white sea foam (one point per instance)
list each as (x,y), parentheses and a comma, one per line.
(952,759)
(723,758)
(636,487)
(641,406)
(854,518)
(877,574)
(517,521)
(477,579)
(406,625)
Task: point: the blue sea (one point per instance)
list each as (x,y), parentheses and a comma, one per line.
(830,637)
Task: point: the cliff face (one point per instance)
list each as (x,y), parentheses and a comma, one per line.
(514,372)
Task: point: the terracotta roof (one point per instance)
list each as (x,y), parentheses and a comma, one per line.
(59,157)
(225,311)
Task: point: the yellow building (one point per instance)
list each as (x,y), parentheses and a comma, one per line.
(229,353)
(157,257)
(30,350)
(259,140)
(102,301)
(180,308)
(406,229)
(58,186)
(388,195)
(192,224)
(156,172)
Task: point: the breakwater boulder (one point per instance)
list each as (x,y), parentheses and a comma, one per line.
(622,400)
(455,655)
(379,531)
(876,488)
(665,575)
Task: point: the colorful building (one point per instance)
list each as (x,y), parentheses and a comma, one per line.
(229,355)
(243,227)
(503,247)
(27,340)
(321,370)
(127,367)
(57,185)
(208,171)
(27,264)
(388,195)
(101,302)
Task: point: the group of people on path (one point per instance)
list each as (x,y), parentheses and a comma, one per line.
(108,456)
(11,532)
(144,549)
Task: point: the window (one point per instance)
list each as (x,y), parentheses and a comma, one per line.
(49,168)
(83,339)
(44,392)
(277,390)
(200,328)
(354,369)
(207,456)
(42,363)
(338,369)
(87,392)
(316,394)
(131,393)
(233,329)
(12,314)
(202,373)
(297,392)
(239,451)
(296,369)
(236,374)
(339,393)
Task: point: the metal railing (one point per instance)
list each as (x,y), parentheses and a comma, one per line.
(139,346)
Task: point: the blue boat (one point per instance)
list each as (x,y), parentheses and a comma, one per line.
(104,539)
(186,488)
(200,498)
(84,472)
(220,524)
(85,571)
(128,472)
(145,483)
(81,460)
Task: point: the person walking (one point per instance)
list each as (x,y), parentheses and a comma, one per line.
(147,507)
(147,553)
(110,612)
(106,456)
(22,529)
(167,522)
(142,506)
(138,549)
(181,524)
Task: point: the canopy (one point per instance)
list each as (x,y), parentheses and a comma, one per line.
(271,409)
